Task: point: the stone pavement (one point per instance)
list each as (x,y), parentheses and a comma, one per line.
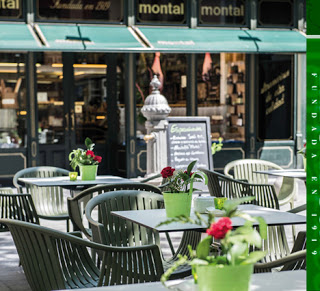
(12,277)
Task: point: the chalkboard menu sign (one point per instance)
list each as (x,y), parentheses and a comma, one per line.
(188,140)
(82,10)
(275,97)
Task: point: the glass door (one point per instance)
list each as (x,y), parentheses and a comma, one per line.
(88,111)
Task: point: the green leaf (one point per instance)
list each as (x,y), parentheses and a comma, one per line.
(203,248)
(262,227)
(198,262)
(190,167)
(254,257)
(236,251)
(89,144)
(232,204)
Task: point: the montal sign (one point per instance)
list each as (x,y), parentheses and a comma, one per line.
(9,4)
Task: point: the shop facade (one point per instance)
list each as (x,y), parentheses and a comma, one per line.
(72,69)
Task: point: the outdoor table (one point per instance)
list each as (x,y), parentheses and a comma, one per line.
(284,281)
(290,173)
(64,182)
(151,218)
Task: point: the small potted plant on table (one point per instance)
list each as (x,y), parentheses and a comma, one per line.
(86,160)
(229,266)
(179,188)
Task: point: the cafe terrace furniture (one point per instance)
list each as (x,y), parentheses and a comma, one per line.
(49,201)
(6,190)
(54,260)
(290,173)
(223,186)
(112,230)
(281,281)
(17,206)
(276,243)
(76,204)
(247,169)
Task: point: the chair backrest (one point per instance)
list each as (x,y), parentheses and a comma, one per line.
(112,230)
(53,260)
(77,204)
(245,169)
(222,186)
(17,206)
(48,201)
(276,244)
(6,190)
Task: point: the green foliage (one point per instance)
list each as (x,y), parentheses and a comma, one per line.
(79,156)
(216,147)
(182,181)
(234,248)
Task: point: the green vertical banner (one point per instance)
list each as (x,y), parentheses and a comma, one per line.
(313,145)
(313,169)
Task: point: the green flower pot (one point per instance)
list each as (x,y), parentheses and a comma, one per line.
(88,172)
(226,278)
(177,204)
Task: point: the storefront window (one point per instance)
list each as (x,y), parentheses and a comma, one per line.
(50,98)
(171,70)
(90,107)
(275,103)
(13,103)
(221,94)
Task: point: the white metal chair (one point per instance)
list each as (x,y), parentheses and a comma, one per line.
(245,170)
(49,201)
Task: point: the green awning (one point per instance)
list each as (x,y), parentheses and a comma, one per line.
(271,41)
(89,38)
(200,40)
(115,39)
(168,39)
(60,37)
(18,37)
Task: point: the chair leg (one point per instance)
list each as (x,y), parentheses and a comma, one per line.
(68,228)
(293,227)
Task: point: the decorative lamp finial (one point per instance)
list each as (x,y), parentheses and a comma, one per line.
(155,83)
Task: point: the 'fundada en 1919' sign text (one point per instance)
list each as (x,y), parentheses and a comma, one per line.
(219,12)
(165,11)
(11,9)
(92,10)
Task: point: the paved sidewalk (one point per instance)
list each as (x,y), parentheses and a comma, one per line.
(12,277)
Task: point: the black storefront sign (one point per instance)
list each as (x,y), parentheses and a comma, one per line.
(161,11)
(11,9)
(275,13)
(222,12)
(275,98)
(81,10)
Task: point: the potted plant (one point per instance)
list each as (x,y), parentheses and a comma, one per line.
(179,188)
(86,160)
(304,155)
(229,266)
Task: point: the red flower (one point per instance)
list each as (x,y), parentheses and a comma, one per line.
(219,229)
(97,158)
(191,173)
(90,153)
(167,172)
